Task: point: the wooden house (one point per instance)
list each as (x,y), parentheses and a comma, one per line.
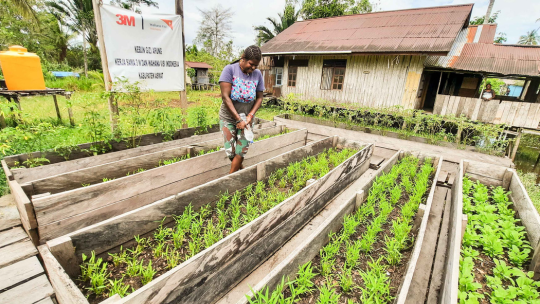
(398,58)
(201,70)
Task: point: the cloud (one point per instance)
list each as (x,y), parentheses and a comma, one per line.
(516,17)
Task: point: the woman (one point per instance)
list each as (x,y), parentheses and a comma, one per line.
(487,93)
(242,87)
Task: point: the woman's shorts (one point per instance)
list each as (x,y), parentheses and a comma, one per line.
(234,139)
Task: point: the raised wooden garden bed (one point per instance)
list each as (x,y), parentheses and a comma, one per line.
(309,244)
(492,176)
(62,203)
(150,143)
(207,275)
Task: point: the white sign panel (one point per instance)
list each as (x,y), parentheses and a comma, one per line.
(144,48)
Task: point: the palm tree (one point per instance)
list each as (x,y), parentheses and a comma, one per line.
(531,38)
(286,19)
(79,16)
(24,7)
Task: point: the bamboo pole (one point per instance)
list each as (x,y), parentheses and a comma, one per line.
(179,7)
(516,145)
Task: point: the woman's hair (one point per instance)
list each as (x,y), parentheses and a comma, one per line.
(252,52)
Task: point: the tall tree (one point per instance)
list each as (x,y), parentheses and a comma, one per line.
(501,38)
(531,38)
(478,20)
(214,29)
(286,19)
(24,7)
(488,12)
(312,9)
(134,5)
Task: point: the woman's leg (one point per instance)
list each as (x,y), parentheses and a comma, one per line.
(240,150)
(236,163)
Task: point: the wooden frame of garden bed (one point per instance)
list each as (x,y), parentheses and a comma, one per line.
(209,274)
(184,137)
(311,245)
(65,211)
(490,175)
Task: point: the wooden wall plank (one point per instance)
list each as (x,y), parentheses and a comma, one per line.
(531,116)
(521,114)
(476,110)
(178,285)
(488,170)
(536,120)
(456,105)
(118,230)
(12,236)
(62,205)
(7,171)
(66,290)
(437,107)
(514,108)
(29,292)
(16,252)
(445,105)
(461,106)
(19,272)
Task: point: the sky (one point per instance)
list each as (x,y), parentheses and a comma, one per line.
(515,19)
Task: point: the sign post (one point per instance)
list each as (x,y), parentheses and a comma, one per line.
(179,7)
(113,107)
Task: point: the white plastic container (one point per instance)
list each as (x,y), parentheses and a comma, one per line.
(248,133)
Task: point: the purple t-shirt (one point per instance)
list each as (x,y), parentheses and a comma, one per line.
(244,90)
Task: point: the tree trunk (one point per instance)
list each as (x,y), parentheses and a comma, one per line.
(488,13)
(85,57)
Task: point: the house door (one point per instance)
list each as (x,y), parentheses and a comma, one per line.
(431,90)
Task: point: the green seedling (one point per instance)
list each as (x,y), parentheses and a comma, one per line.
(346,280)
(147,273)
(118,287)
(327,295)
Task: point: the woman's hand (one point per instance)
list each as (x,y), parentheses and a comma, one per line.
(249,119)
(241,125)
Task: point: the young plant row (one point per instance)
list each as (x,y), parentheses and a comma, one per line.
(193,231)
(364,261)
(406,122)
(495,250)
(165,162)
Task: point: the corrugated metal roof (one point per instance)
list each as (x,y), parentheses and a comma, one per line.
(422,30)
(499,59)
(198,65)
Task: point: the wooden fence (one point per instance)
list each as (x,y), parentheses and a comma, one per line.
(517,114)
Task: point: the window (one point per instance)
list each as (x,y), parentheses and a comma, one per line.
(333,74)
(293,70)
(279,76)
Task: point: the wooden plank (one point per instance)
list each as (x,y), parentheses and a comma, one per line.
(118,230)
(536,119)
(46,301)
(437,107)
(62,249)
(7,171)
(505,105)
(461,106)
(9,215)
(445,105)
(227,259)
(521,115)
(70,203)
(487,170)
(531,116)
(514,108)
(437,273)
(499,114)
(88,218)
(65,289)
(525,208)
(443,176)
(16,252)
(456,105)
(29,292)
(422,272)
(449,291)
(476,110)
(19,272)
(306,244)
(12,236)
(405,287)
(26,211)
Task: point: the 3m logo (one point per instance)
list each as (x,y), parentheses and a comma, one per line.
(169,22)
(125,20)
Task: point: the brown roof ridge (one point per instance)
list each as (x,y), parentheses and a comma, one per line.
(398,10)
(517,45)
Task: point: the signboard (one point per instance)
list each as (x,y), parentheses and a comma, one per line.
(144,48)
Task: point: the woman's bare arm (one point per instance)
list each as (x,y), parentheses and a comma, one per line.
(256,106)
(226,88)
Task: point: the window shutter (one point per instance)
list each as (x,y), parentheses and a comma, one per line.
(326,81)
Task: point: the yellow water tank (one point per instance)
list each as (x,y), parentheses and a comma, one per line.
(22,70)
